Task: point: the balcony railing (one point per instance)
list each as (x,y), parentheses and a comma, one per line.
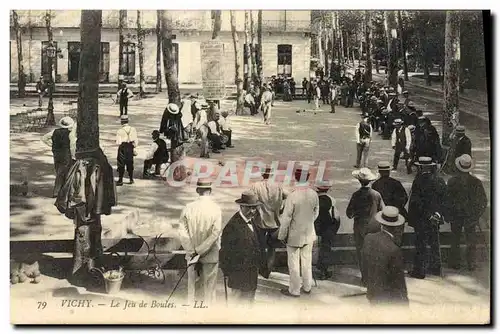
(286,25)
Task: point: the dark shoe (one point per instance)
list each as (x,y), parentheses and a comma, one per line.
(356,166)
(119,183)
(304,291)
(288,294)
(146,176)
(215,151)
(131,182)
(416,275)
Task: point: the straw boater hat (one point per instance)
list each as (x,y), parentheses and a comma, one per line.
(364,174)
(464,163)
(460,129)
(397,121)
(406,92)
(425,161)
(173,108)
(204,184)
(66,122)
(124,118)
(324,186)
(389,216)
(384,165)
(248,198)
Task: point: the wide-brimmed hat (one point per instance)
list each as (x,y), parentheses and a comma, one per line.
(248,198)
(460,129)
(397,121)
(464,163)
(66,122)
(406,92)
(425,161)
(365,174)
(384,165)
(205,184)
(197,105)
(324,186)
(389,216)
(173,108)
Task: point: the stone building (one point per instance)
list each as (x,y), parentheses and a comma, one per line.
(285,44)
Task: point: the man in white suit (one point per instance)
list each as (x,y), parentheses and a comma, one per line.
(297,230)
(200,231)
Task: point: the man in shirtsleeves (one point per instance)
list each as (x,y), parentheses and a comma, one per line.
(363,139)
(126,139)
(200,231)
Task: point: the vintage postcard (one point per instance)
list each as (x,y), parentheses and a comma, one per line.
(250,167)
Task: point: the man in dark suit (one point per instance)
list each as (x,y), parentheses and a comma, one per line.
(460,145)
(362,207)
(239,257)
(428,197)
(392,191)
(466,204)
(383,265)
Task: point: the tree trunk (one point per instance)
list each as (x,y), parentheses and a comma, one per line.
(50,37)
(319,43)
(158,51)
(121,25)
(140,47)
(169,61)
(216,23)
(259,48)
(403,45)
(368,42)
(248,51)
(341,33)
(21,77)
(360,40)
(237,67)
(88,106)
(451,74)
(393,49)
(326,49)
(252,50)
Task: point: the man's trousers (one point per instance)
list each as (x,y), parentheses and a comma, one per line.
(202,287)
(300,261)
(362,152)
(469,228)
(426,234)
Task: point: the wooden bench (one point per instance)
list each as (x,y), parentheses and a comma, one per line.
(28,120)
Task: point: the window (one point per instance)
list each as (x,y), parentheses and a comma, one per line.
(45,61)
(245,64)
(285,59)
(128,59)
(104,63)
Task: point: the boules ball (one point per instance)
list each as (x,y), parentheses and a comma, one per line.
(37,279)
(22,278)
(14,279)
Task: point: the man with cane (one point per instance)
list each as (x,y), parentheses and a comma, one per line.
(200,229)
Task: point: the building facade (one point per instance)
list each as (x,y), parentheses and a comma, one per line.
(285,44)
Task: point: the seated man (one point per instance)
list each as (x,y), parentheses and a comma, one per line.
(214,134)
(157,155)
(225,126)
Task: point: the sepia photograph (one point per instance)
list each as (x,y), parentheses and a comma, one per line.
(250,166)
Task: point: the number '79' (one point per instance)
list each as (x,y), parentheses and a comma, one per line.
(42,305)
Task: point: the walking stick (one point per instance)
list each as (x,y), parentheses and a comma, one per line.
(225,288)
(438,220)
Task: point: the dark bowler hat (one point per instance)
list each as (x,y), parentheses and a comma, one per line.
(267,171)
(207,184)
(390,216)
(248,198)
(384,165)
(425,161)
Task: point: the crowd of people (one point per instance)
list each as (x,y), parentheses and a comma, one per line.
(270,216)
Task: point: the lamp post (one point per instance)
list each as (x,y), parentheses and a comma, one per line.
(51,54)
